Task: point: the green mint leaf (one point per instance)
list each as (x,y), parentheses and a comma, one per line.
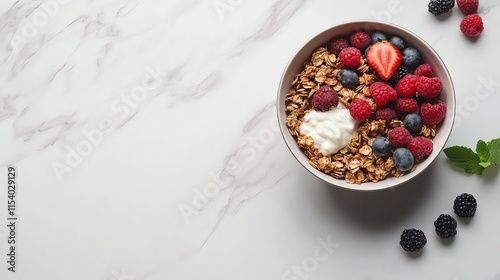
(482,151)
(494,150)
(465,158)
(485,164)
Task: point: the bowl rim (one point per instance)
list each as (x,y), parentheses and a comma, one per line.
(280,109)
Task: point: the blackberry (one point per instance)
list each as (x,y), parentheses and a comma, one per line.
(438,7)
(399,74)
(465,205)
(446,226)
(413,240)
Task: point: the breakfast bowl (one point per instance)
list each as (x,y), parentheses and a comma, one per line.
(333,134)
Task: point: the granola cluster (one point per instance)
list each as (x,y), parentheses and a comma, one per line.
(356,162)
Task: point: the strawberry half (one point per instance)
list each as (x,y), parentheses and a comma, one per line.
(385,58)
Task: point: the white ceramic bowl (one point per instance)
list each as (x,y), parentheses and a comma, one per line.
(295,66)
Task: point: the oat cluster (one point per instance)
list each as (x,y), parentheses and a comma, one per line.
(356,162)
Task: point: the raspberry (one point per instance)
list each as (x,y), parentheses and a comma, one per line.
(446,226)
(338,44)
(324,99)
(468,6)
(407,86)
(350,57)
(406,105)
(386,114)
(437,7)
(413,240)
(465,205)
(360,40)
(382,93)
(429,87)
(432,112)
(472,25)
(360,109)
(420,147)
(424,70)
(399,137)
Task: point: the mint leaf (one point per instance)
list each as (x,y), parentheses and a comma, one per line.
(465,158)
(482,151)
(494,149)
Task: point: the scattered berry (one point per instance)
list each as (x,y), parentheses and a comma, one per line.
(411,58)
(420,147)
(465,205)
(468,6)
(397,42)
(338,44)
(406,105)
(378,36)
(438,7)
(472,25)
(413,123)
(349,78)
(386,114)
(413,240)
(429,87)
(360,40)
(424,70)
(384,58)
(381,146)
(446,226)
(324,99)
(350,57)
(360,109)
(403,159)
(382,93)
(399,137)
(432,112)
(407,86)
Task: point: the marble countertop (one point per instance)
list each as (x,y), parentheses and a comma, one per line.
(145,142)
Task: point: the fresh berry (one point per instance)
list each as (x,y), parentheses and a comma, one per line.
(420,147)
(349,78)
(413,240)
(378,36)
(324,99)
(397,42)
(360,40)
(381,146)
(399,137)
(386,114)
(446,226)
(413,123)
(382,93)
(350,57)
(424,70)
(429,87)
(472,25)
(338,44)
(406,105)
(385,58)
(438,7)
(360,109)
(465,205)
(403,159)
(407,86)
(468,6)
(399,74)
(411,58)
(432,112)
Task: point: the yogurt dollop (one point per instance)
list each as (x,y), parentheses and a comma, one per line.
(331,130)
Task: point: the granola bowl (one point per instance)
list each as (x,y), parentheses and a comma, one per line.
(355,166)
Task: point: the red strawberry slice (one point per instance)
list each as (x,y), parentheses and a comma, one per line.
(385,58)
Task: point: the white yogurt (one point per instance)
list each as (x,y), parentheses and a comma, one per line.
(330,130)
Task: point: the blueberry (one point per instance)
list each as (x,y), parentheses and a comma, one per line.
(403,159)
(413,123)
(378,37)
(381,146)
(397,42)
(348,78)
(411,58)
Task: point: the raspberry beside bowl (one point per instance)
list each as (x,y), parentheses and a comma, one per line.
(296,65)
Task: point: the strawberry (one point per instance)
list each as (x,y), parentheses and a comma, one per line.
(385,58)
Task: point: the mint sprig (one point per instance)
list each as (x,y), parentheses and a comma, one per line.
(487,154)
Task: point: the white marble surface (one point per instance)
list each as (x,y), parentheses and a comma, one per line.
(178,98)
